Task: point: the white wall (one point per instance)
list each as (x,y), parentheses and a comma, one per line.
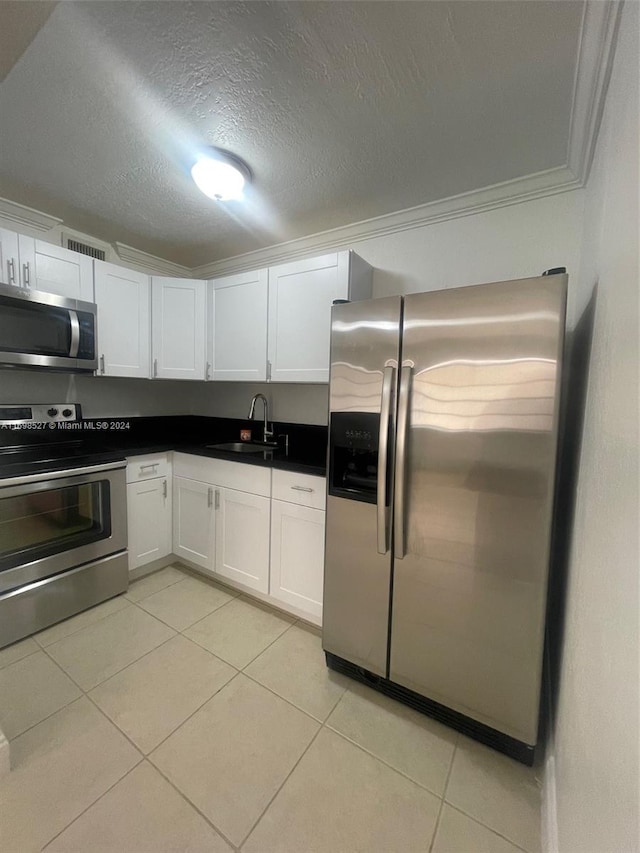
(99,396)
(510,242)
(596,730)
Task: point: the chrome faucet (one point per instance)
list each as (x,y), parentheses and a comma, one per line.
(267,433)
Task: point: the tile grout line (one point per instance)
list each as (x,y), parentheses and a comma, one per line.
(186,719)
(444,791)
(383,761)
(19,660)
(490,828)
(77,631)
(473,817)
(91,805)
(186,627)
(192,804)
(280,787)
(85,695)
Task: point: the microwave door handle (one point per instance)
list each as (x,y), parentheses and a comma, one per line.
(75,334)
(401,450)
(383,460)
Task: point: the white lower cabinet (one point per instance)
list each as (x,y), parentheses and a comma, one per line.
(242,538)
(297,556)
(193,522)
(149,515)
(254,528)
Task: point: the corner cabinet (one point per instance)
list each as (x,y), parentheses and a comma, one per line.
(149,509)
(237,343)
(124,316)
(178,327)
(300,298)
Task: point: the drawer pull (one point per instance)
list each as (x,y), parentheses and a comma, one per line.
(302,489)
(150,465)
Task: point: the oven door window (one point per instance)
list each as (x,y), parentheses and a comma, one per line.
(42,521)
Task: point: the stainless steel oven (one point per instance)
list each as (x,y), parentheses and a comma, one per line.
(63,534)
(43,330)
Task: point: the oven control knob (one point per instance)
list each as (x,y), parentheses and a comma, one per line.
(67,413)
(52,412)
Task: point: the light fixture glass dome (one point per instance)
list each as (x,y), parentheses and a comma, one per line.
(220,176)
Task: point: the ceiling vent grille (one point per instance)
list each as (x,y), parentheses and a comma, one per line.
(86,249)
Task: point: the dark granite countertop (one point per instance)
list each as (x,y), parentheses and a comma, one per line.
(112,438)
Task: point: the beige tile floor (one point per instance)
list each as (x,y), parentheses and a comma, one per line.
(184,717)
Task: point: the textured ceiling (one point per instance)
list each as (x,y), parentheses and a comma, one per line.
(343,111)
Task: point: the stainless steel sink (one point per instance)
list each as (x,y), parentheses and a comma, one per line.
(239,447)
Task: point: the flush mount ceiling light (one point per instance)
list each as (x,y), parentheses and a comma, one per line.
(220,175)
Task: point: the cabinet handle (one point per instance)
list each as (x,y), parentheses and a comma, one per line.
(102,363)
(11,271)
(155,367)
(26,274)
(150,465)
(268,371)
(302,489)
(164,489)
(209,497)
(217,498)
(208,373)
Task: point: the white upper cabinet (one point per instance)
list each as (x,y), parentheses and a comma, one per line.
(300,298)
(178,327)
(9,258)
(237,341)
(53,269)
(123,300)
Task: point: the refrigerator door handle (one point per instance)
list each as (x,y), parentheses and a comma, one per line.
(383,460)
(401,447)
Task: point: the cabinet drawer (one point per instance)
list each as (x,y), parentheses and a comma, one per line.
(302,489)
(220,472)
(146,467)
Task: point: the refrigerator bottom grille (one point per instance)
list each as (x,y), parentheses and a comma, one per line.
(522,752)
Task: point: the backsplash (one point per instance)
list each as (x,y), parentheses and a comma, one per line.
(99,396)
(102,397)
(294,403)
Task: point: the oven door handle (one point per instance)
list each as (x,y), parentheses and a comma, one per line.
(56,475)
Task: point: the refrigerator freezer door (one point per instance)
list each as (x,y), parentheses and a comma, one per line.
(470,587)
(365,342)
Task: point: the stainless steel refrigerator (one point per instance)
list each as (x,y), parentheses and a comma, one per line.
(443,432)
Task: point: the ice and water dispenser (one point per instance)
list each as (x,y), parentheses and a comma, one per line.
(353,456)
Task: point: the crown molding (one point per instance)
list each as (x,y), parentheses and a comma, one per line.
(541,184)
(150,263)
(36,220)
(596,50)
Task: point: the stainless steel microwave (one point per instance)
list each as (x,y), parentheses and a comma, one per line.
(43,330)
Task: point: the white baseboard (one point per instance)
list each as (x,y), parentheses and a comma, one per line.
(550,803)
(5,758)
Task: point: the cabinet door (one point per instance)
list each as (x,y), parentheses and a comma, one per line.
(242,538)
(149,521)
(124,320)
(300,299)
(178,327)
(55,270)
(9,258)
(297,556)
(193,522)
(238,327)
